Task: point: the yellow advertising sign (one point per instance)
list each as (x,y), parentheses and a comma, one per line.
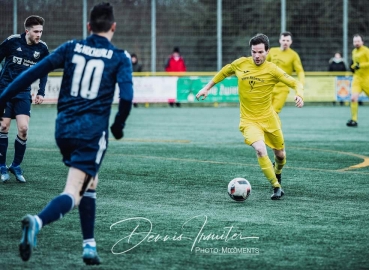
(319,88)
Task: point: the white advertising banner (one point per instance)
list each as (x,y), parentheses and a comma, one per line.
(146,89)
(52,90)
(154,89)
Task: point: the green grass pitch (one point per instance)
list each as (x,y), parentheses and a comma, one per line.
(162,201)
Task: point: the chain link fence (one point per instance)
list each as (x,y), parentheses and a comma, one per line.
(191,25)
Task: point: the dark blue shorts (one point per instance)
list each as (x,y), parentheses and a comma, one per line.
(16,107)
(85,155)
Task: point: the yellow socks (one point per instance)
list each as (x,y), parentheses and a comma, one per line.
(268,170)
(279,163)
(354,110)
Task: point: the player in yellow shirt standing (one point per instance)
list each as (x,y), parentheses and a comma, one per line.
(360,82)
(259,123)
(288,60)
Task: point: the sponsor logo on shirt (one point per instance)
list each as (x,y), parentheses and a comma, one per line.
(17,60)
(28,63)
(253,78)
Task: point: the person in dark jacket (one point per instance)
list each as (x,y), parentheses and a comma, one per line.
(336,63)
(136,67)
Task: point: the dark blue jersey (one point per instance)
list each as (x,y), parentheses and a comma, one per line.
(19,56)
(92,67)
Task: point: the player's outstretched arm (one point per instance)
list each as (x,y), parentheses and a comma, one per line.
(226,71)
(205,90)
(299,102)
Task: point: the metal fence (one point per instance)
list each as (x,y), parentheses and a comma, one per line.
(209,33)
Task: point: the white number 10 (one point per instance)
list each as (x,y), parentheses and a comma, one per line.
(87,85)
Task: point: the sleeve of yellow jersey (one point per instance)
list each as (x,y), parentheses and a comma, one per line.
(365,64)
(297,66)
(353,64)
(288,80)
(225,72)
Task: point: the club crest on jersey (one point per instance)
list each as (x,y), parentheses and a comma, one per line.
(252,83)
(36,55)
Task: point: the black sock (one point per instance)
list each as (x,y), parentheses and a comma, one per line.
(87,210)
(3,147)
(56,209)
(19,150)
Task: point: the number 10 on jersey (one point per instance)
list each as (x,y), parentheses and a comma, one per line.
(86,77)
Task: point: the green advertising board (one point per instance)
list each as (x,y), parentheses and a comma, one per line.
(225,91)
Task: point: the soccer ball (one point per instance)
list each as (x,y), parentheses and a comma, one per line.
(239,189)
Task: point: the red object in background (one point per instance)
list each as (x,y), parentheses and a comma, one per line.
(175,64)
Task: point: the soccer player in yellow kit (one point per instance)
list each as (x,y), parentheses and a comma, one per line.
(288,60)
(360,82)
(259,123)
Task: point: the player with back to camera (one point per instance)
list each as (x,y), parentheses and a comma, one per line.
(288,60)
(20,53)
(92,67)
(360,82)
(259,123)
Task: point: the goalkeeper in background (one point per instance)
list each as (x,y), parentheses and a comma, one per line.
(288,60)
(259,123)
(360,82)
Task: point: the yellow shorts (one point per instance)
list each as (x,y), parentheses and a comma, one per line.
(360,84)
(279,96)
(268,130)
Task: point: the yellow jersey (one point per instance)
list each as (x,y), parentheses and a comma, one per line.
(361,56)
(287,60)
(255,86)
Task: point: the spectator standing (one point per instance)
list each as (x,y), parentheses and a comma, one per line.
(175,62)
(336,63)
(136,67)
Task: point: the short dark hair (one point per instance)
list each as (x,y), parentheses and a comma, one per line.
(358,35)
(260,39)
(101,17)
(176,50)
(286,34)
(33,20)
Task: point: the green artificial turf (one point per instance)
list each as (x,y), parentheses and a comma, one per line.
(162,199)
